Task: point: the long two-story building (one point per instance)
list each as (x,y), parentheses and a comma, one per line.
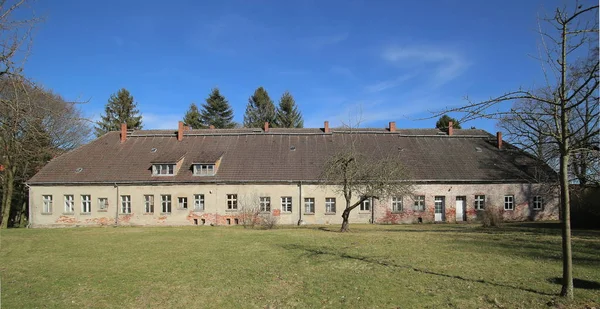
(205,176)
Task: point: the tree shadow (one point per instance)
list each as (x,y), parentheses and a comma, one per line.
(312,252)
(578,283)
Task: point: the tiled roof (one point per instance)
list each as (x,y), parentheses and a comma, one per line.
(283,155)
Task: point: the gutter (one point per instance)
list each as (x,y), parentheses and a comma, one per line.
(300,203)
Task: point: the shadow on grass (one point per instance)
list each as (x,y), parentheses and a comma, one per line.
(316,252)
(578,283)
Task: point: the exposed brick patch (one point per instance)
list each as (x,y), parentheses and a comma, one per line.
(66,220)
(276,212)
(100,221)
(162,219)
(125,218)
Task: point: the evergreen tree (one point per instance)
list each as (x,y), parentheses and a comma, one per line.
(192,118)
(217,111)
(260,109)
(120,109)
(288,115)
(443,122)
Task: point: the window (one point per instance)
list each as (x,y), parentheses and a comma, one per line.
(365,205)
(47,200)
(419,203)
(330,205)
(231,201)
(69,206)
(286,203)
(479,202)
(397,204)
(204,169)
(165,201)
(125,204)
(309,205)
(182,202)
(265,203)
(149,204)
(163,169)
(102,203)
(86,204)
(509,202)
(199,202)
(538,202)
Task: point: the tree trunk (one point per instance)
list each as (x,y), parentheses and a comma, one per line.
(7,200)
(567,283)
(345,221)
(23,217)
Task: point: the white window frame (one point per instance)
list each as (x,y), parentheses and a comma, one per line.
(309,205)
(69,204)
(204,170)
(102,203)
(479,202)
(265,203)
(198,202)
(125,204)
(538,202)
(286,204)
(182,202)
(163,169)
(165,203)
(365,205)
(149,203)
(86,203)
(419,203)
(232,203)
(47,204)
(330,205)
(509,202)
(397,205)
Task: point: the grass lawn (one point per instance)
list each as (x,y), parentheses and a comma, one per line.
(382,266)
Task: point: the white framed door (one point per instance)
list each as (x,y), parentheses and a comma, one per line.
(440,209)
(461,205)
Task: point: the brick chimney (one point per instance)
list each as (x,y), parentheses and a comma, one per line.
(499,139)
(326,127)
(392,126)
(266,126)
(180,131)
(211,127)
(123,132)
(450,128)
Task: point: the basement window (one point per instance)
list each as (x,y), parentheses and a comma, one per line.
(163,169)
(204,169)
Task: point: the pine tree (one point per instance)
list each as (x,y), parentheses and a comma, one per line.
(288,115)
(217,111)
(260,109)
(120,109)
(192,118)
(444,121)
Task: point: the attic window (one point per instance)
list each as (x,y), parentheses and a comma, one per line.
(204,169)
(293,148)
(153,150)
(477,149)
(163,169)
(79,170)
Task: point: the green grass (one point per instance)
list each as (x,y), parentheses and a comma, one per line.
(406,266)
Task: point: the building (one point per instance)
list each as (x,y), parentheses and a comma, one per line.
(187,177)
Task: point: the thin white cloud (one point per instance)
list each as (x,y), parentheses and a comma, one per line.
(388,84)
(444,64)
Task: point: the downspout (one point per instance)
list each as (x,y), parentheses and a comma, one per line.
(300,203)
(117,206)
(29,205)
(372,210)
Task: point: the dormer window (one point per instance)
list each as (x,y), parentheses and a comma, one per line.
(204,169)
(163,169)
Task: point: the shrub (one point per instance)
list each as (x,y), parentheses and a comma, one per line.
(491,217)
(268,220)
(248,216)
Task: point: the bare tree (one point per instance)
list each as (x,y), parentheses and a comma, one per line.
(17,22)
(569,34)
(359,173)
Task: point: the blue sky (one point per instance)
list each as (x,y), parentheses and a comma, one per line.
(378,60)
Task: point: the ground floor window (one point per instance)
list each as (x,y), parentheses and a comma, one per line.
(47,200)
(165,201)
(182,202)
(365,205)
(286,204)
(232,201)
(149,204)
(538,202)
(69,204)
(479,202)
(330,205)
(199,202)
(309,205)
(125,204)
(509,202)
(102,203)
(397,204)
(86,204)
(419,203)
(265,203)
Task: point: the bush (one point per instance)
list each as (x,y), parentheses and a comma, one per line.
(248,216)
(268,220)
(491,217)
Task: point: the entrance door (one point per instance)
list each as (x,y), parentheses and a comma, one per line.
(460,208)
(440,209)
